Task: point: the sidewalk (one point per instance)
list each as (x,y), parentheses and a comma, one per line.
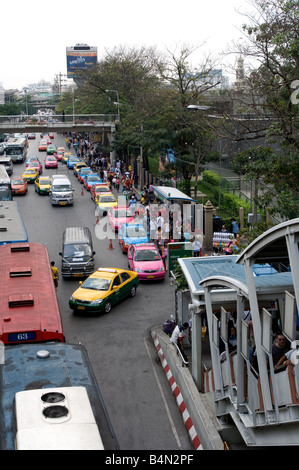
(196,408)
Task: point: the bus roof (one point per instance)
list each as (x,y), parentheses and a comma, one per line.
(168,193)
(16,141)
(29,367)
(12,229)
(28,303)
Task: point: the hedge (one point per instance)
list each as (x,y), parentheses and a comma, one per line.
(229,202)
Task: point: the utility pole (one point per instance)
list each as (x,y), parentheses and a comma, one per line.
(59,79)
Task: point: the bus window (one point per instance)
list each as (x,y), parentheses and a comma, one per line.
(5,185)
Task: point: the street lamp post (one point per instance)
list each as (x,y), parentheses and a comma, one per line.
(116,102)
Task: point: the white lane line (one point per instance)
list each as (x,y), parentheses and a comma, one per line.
(173,428)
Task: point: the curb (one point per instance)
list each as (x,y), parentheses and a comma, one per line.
(178,396)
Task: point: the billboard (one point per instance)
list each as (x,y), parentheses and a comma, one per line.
(80,58)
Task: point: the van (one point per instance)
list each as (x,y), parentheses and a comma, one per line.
(61,192)
(6,161)
(77,252)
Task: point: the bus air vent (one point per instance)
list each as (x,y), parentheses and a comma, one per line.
(55,419)
(15,247)
(23,300)
(53,397)
(55,411)
(19,272)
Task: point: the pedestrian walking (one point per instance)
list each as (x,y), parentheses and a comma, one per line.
(196,247)
(234,227)
(55,274)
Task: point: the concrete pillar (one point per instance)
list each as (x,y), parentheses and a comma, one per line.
(241,217)
(208,237)
(196,349)
(139,170)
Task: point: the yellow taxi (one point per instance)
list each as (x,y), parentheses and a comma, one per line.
(30,174)
(42,185)
(104,202)
(78,166)
(66,156)
(102,289)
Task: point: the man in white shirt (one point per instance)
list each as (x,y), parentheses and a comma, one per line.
(177,337)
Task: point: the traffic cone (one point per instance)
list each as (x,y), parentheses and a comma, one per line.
(110,245)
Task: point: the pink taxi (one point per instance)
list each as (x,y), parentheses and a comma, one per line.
(119,215)
(146,261)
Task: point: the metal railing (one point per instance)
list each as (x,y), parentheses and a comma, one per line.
(28,123)
(179,353)
(32,119)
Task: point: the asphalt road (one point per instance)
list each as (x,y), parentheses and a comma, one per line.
(140,403)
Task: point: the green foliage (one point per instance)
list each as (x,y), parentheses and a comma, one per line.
(180,279)
(229,202)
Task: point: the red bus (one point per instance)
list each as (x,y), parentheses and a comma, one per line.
(29,309)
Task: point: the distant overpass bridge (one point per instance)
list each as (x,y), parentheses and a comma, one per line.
(96,123)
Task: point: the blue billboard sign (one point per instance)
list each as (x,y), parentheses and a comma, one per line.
(78,61)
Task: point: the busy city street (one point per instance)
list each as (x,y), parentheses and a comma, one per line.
(137,395)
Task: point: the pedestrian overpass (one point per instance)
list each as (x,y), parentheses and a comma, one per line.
(81,123)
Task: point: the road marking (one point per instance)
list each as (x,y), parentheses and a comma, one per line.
(164,400)
(177,394)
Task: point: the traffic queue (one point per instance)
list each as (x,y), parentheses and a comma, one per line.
(112,193)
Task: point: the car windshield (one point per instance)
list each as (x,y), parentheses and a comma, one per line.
(29,172)
(46,181)
(94,178)
(100,189)
(51,159)
(96,284)
(17,181)
(135,232)
(122,213)
(107,199)
(62,188)
(77,250)
(147,255)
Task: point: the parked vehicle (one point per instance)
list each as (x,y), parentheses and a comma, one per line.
(77,252)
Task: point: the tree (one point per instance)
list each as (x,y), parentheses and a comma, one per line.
(190,137)
(268,94)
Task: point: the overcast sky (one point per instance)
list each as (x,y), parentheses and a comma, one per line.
(34,34)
